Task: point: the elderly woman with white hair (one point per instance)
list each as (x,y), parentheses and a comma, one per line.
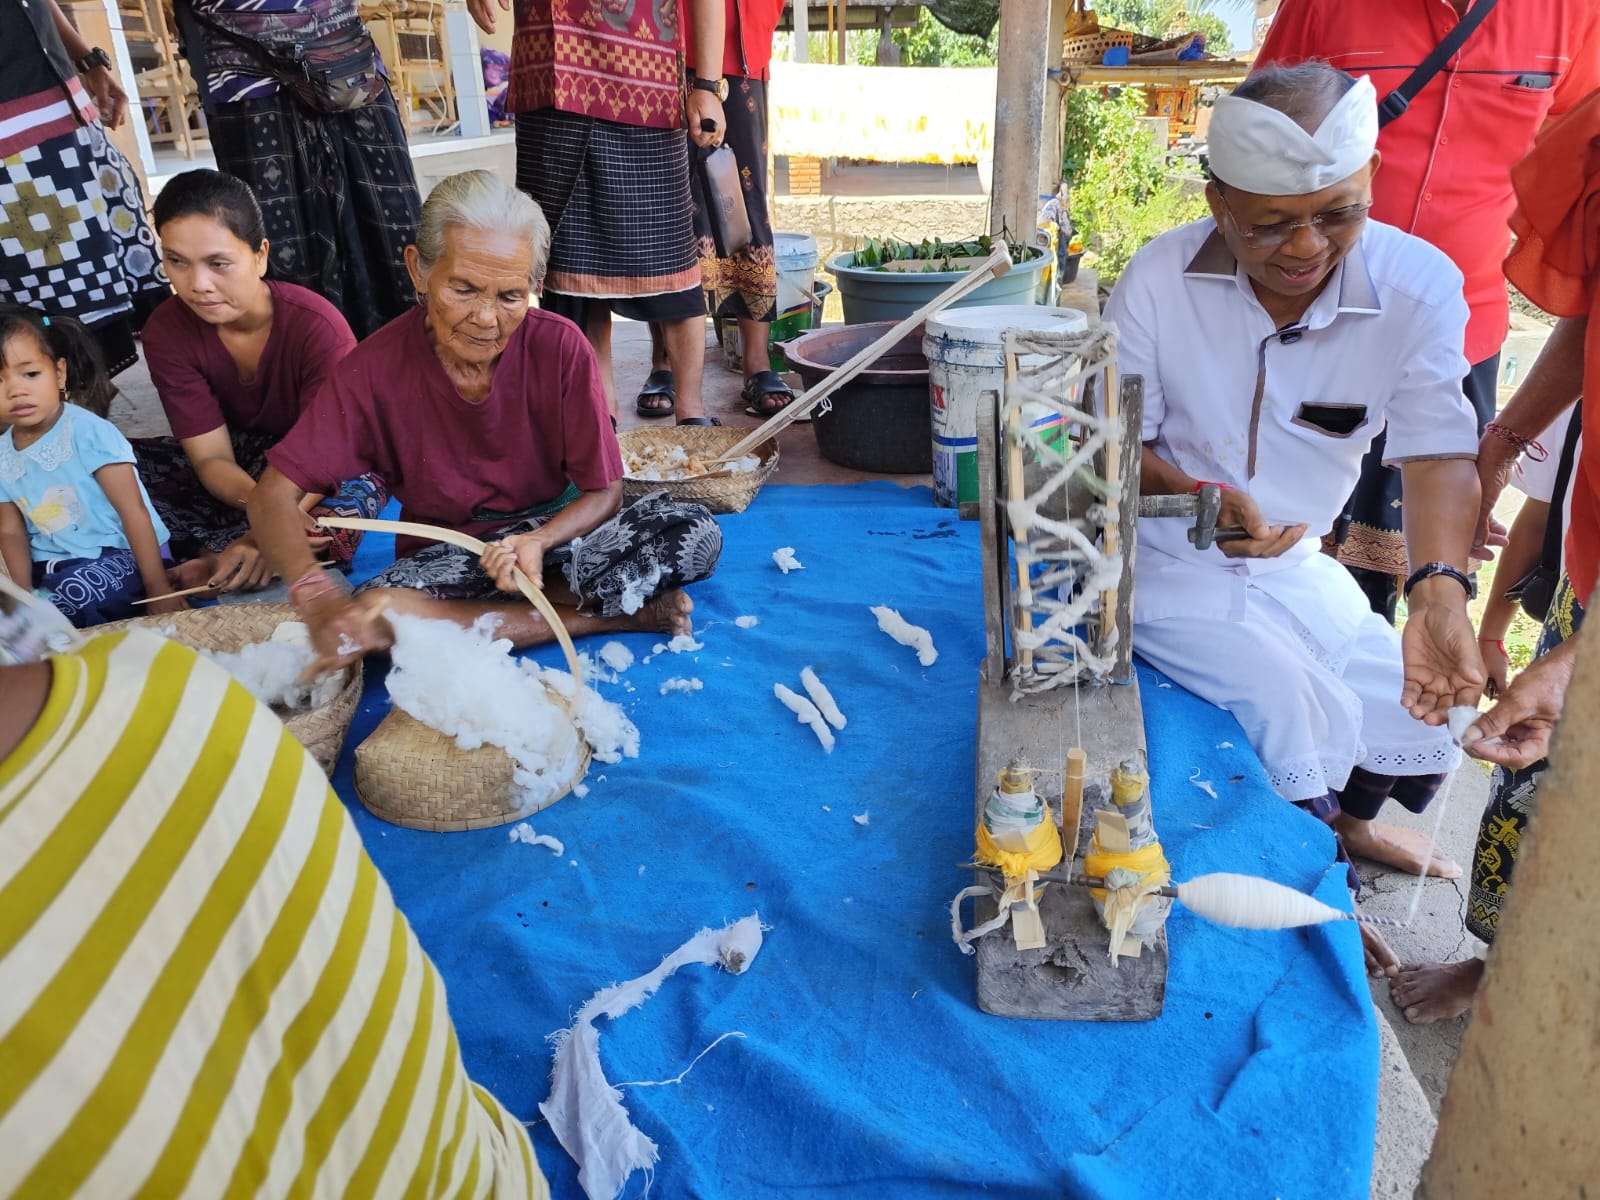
(489,418)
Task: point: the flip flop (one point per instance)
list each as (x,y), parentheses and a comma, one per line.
(658,385)
(699,421)
(769,386)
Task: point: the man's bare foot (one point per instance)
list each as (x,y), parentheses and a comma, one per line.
(1436,991)
(1381,960)
(1391,846)
(192,573)
(667,613)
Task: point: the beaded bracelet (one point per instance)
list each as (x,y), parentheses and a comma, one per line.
(1525,445)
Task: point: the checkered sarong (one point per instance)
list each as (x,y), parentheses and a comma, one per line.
(617,199)
(73,235)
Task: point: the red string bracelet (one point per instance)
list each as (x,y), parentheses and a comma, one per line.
(1526,445)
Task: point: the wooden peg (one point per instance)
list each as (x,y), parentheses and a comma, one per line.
(1072,802)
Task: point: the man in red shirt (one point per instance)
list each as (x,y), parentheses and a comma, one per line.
(1446,174)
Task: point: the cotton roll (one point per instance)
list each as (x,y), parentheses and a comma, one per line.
(1249,902)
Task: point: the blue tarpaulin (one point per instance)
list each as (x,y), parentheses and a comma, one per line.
(866,1068)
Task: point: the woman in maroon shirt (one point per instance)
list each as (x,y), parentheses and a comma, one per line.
(490,419)
(234,358)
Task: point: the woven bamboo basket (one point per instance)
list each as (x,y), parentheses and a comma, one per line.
(410,774)
(1086,49)
(725,494)
(227,627)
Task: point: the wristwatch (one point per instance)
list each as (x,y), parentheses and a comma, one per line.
(1429,570)
(96,57)
(718,87)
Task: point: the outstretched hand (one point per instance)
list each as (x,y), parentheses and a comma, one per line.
(1442,664)
(1515,733)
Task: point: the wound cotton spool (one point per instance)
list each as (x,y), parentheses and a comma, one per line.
(1249,902)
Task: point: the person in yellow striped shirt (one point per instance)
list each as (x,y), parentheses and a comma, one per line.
(205,986)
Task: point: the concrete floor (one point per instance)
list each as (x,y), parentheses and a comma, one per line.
(1415,1060)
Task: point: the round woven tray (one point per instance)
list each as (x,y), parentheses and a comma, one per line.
(729,493)
(227,627)
(410,774)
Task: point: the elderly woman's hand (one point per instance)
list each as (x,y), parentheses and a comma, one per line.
(519,550)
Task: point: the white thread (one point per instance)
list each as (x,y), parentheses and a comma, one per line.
(678,1078)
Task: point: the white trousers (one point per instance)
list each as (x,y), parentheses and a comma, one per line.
(1311,714)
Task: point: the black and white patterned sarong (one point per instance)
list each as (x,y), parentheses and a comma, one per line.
(652,545)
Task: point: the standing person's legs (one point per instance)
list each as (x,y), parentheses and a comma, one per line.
(1369,540)
(685,344)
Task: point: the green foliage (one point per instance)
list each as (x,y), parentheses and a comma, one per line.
(1122,195)
(925,44)
(939,254)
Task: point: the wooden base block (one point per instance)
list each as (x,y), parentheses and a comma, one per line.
(1071,978)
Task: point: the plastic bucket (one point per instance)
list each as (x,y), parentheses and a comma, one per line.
(870,295)
(966,360)
(879,420)
(797,258)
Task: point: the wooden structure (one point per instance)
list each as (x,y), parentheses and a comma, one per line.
(411,37)
(1057,528)
(164,93)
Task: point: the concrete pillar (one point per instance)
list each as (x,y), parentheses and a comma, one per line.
(1018,114)
(802,30)
(101,25)
(1518,1117)
(466,69)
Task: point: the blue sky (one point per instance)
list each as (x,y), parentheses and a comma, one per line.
(1240,18)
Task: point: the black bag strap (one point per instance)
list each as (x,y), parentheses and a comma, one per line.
(1550,554)
(1394,105)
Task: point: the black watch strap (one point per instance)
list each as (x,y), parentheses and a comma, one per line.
(96,57)
(1429,570)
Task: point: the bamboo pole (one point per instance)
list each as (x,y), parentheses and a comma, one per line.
(437,533)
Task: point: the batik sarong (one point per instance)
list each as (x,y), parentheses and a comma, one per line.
(199,523)
(651,546)
(744,284)
(338,195)
(1512,795)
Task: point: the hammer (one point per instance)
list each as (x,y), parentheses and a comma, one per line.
(1204,505)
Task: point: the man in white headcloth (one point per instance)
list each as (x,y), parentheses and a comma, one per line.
(1276,339)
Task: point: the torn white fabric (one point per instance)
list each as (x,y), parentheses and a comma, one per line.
(902,631)
(806,713)
(584,1111)
(823,699)
(523,832)
(1203,784)
(784,557)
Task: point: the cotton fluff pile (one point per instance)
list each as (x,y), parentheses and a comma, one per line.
(465,683)
(659,463)
(270,670)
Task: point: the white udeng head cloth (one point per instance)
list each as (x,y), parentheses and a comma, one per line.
(1258,149)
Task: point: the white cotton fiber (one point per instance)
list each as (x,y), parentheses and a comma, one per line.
(747,622)
(918,638)
(636,591)
(684,642)
(271,670)
(464,683)
(676,684)
(784,557)
(806,713)
(823,699)
(616,656)
(523,832)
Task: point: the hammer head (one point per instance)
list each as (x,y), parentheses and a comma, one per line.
(1207,505)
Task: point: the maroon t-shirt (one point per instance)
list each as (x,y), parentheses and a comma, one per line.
(390,408)
(199,383)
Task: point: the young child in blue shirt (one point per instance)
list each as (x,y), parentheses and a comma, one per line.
(74,519)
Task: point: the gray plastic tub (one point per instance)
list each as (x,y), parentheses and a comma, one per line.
(870,295)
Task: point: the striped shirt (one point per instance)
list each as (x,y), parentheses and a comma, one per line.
(205,986)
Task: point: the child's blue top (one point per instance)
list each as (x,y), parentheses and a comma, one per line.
(67,512)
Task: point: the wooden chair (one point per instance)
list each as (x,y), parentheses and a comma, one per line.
(410,35)
(165,91)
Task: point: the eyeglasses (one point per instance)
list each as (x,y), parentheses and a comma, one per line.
(1276,234)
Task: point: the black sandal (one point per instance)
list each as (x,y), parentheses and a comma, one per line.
(699,421)
(766,386)
(658,387)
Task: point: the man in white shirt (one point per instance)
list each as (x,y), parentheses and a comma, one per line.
(1276,340)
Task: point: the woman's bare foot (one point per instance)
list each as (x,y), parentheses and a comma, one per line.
(1391,846)
(1436,991)
(1381,960)
(667,613)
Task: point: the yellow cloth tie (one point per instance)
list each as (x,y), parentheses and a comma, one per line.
(1043,850)
(1148,862)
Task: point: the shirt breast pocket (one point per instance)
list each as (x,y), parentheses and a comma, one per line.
(1331,419)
